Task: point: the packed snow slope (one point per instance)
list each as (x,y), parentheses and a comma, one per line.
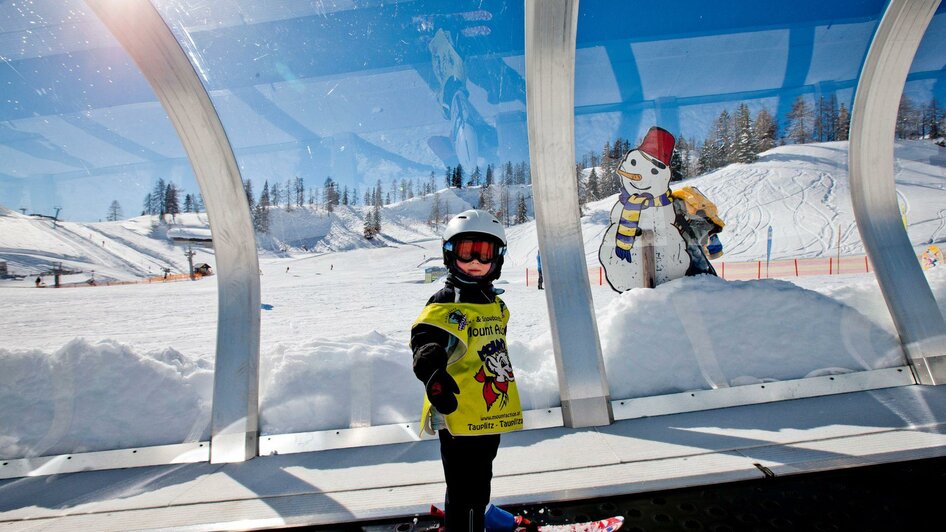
(801,191)
(122,366)
(121,250)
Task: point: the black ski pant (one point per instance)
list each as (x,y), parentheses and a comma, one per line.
(468,468)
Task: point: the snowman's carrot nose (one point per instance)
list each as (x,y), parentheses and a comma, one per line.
(632,177)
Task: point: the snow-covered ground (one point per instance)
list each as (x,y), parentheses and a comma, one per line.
(120,366)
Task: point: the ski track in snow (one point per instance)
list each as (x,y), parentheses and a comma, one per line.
(934,237)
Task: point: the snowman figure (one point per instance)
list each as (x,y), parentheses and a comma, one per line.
(644,209)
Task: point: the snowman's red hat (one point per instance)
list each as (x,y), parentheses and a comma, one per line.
(658,143)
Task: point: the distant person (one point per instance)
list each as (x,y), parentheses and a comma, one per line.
(331,267)
(39,281)
(538,262)
(459,348)
(287,269)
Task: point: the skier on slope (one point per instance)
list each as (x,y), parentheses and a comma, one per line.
(459,348)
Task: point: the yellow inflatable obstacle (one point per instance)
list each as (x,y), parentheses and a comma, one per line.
(699,207)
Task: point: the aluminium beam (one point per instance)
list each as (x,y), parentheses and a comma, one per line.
(148,40)
(551,26)
(873,194)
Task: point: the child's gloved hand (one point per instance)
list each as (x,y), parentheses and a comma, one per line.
(442,390)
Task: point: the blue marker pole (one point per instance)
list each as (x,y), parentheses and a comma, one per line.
(768,253)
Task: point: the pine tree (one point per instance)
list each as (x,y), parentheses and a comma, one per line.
(934,118)
(157,198)
(831,118)
(608,166)
(842,127)
(819,133)
(743,149)
(376,212)
(261,212)
(368,230)
(436,211)
(475,178)
(486,194)
(248,189)
(147,205)
(507,178)
(800,122)
(504,214)
(489,176)
(686,164)
(594,193)
(765,131)
(330,195)
(172,203)
(676,165)
(298,187)
(519,173)
(275,194)
(521,209)
(725,143)
(705,161)
(908,119)
(458,176)
(114,212)
(582,188)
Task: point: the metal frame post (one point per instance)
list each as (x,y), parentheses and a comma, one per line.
(148,40)
(551,27)
(873,121)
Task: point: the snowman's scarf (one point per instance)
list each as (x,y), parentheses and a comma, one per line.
(630,217)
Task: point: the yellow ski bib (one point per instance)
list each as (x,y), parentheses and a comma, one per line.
(489,401)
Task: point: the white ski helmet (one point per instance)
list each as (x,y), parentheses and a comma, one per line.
(474,221)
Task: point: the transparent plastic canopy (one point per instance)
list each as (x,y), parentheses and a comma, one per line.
(332,108)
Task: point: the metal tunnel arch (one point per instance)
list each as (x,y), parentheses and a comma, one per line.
(871,162)
(148,40)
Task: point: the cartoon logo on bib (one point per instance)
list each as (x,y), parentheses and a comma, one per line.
(458,318)
(495,373)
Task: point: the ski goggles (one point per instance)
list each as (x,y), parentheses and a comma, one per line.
(485,251)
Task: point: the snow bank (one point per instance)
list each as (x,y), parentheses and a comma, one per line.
(356,380)
(96,396)
(693,333)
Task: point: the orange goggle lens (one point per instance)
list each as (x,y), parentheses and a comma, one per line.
(482,250)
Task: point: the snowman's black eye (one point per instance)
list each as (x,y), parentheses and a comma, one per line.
(654,171)
(633,162)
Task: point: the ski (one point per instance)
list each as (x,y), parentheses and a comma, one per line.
(604,525)
(522,524)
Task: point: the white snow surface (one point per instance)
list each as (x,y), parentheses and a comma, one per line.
(122,366)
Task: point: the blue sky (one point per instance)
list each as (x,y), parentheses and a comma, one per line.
(363,91)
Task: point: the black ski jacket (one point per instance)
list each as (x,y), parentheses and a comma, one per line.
(428,343)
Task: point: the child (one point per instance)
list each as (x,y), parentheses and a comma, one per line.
(459,346)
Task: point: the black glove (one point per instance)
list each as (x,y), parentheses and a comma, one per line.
(442,390)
